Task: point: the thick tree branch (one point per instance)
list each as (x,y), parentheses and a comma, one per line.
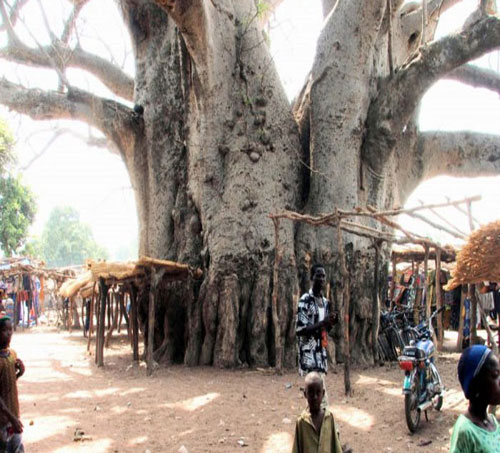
(458,154)
(116,121)
(476,77)
(398,97)
(110,75)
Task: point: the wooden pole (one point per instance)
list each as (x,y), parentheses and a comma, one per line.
(428,299)
(91,324)
(491,338)
(156,276)
(469,215)
(439,299)
(103,292)
(70,314)
(274,301)
(393,282)
(461,315)
(426,270)
(345,296)
(375,303)
(83,315)
(473,315)
(135,322)
(113,299)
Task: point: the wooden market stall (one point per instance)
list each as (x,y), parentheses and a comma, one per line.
(25,281)
(479,261)
(110,282)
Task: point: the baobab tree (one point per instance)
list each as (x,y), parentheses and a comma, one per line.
(213,146)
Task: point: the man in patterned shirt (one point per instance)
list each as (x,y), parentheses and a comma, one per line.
(314,319)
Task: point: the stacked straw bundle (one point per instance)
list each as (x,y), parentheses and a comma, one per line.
(479,259)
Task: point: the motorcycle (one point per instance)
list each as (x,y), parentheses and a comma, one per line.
(422,386)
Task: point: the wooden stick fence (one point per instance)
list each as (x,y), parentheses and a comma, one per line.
(338,220)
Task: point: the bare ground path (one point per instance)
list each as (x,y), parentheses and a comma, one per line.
(119,409)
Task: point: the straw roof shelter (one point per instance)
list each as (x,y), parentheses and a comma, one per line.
(121,272)
(479,259)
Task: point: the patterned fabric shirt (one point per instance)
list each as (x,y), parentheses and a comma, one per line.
(8,385)
(312,351)
(470,438)
(308,440)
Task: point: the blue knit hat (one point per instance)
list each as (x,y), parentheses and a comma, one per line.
(470,364)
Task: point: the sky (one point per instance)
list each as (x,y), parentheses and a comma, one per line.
(96,183)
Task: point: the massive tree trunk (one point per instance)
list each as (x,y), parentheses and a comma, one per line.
(217,156)
(213,147)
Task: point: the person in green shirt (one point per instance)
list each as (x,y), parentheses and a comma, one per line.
(315,429)
(476,431)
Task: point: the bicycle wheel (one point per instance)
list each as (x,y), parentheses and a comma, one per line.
(412,414)
(408,336)
(397,343)
(384,348)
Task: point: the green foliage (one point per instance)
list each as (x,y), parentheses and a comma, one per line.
(67,241)
(6,146)
(17,212)
(32,248)
(262,8)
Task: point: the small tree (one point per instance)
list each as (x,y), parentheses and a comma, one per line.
(66,240)
(17,212)
(17,203)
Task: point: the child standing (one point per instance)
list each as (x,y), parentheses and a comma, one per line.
(479,374)
(11,368)
(315,428)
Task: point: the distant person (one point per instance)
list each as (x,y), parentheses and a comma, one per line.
(314,319)
(315,429)
(11,369)
(476,431)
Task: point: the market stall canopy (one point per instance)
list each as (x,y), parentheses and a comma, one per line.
(118,272)
(26,265)
(479,259)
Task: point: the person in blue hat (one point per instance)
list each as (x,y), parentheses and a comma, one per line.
(477,431)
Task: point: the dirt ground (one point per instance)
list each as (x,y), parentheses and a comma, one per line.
(120,409)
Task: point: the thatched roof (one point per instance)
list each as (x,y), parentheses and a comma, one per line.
(26,265)
(70,287)
(479,258)
(116,272)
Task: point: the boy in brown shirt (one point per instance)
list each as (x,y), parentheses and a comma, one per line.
(315,430)
(11,368)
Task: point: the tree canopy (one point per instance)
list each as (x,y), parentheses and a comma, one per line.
(66,240)
(213,146)
(17,202)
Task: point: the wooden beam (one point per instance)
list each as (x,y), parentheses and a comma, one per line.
(439,300)
(375,303)
(473,315)
(435,225)
(155,278)
(445,220)
(274,300)
(346,307)
(103,293)
(91,324)
(135,322)
(461,320)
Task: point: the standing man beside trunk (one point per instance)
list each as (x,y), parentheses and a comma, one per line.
(314,319)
